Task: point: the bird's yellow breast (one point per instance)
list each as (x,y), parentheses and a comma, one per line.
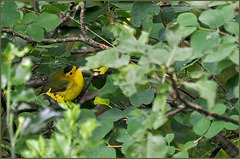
(74,87)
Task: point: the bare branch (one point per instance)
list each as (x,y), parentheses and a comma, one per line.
(82,18)
(37,7)
(197,107)
(221,140)
(86,40)
(87,84)
(174,112)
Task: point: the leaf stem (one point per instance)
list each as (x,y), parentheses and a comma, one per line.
(10,115)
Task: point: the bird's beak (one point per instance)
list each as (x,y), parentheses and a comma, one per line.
(77,67)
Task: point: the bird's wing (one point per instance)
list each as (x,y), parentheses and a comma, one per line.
(56,86)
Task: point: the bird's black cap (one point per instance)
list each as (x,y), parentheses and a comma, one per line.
(68,69)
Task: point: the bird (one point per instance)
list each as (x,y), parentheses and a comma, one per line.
(64,85)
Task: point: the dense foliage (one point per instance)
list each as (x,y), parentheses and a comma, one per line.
(161,79)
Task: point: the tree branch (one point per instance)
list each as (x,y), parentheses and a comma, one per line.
(174,112)
(86,40)
(197,107)
(82,19)
(221,140)
(87,84)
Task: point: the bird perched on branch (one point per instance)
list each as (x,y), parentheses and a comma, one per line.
(65,85)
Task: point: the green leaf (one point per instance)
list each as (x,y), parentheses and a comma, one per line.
(180,8)
(173,40)
(159,119)
(207,90)
(109,90)
(214,129)
(232,27)
(188,145)
(228,13)
(9,13)
(140,11)
(54,8)
(33,145)
(57,51)
(152,28)
(212,18)
(132,127)
(217,3)
(219,108)
(224,50)
(187,19)
(23,93)
(47,21)
(203,41)
(109,57)
(35,32)
(186,30)
(87,128)
(94,13)
(182,154)
(216,68)
(171,150)
(39,120)
(156,146)
(103,129)
(19,28)
(234,56)
(63,144)
(41,145)
(231,126)
(122,135)
(165,16)
(195,117)
(201,126)
(125,5)
(162,34)
(113,114)
(231,84)
(142,97)
(236,90)
(107,33)
(28,18)
(101,152)
(86,114)
(159,104)
(169,138)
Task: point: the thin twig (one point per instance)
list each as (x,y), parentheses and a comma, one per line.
(196,141)
(197,107)
(87,84)
(121,108)
(23,9)
(114,146)
(109,13)
(174,112)
(210,151)
(37,7)
(102,46)
(213,76)
(82,18)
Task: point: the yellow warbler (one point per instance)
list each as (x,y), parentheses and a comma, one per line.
(65,85)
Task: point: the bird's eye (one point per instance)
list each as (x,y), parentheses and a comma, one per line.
(71,73)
